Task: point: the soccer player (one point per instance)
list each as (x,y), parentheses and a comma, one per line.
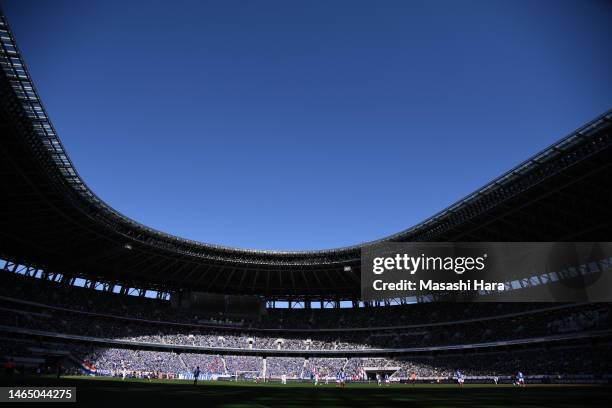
(283,379)
(316,379)
(196,374)
(520,379)
(460,378)
(413,378)
(379,379)
(495,379)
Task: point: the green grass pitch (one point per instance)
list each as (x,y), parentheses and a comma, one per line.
(106,391)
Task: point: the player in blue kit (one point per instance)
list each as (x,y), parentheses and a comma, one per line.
(460,378)
(520,379)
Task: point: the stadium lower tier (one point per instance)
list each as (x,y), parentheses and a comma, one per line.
(577,362)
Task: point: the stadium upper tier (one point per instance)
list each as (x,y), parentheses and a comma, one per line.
(51,220)
(20,292)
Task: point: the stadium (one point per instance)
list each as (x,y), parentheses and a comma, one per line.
(93,299)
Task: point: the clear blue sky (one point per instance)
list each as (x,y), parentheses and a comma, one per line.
(308,124)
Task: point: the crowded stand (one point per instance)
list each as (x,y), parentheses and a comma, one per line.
(576,360)
(328,367)
(212,364)
(544,322)
(143,325)
(288,366)
(243,364)
(116,361)
(573,361)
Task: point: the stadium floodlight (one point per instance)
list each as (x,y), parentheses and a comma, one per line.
(347,269)
(128,246)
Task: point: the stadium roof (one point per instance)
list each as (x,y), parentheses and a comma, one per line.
(50,219)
